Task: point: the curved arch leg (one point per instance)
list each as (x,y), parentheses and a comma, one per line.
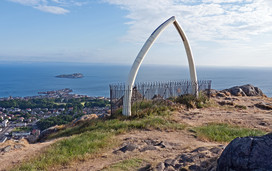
(140,57)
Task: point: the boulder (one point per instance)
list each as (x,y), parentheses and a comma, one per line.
(244,90)
(237,91)
(247,154)
(250,90)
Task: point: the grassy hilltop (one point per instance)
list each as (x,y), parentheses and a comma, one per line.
(159,130)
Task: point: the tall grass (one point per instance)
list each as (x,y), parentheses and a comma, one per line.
(75,148)
(191,101)
(223,132)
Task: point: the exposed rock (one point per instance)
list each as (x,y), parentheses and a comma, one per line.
(201,158)
(244,90)
(199,149)
(194,167)
(213,92)
(84,118)
(168,162)
(215,150)
(149,147)
(32,139)
(49,131)
(75,75)
(247,154)
(160,166)
(220,95)
(170,168)
(6,149)
(223,103)
(18,146)
(263,105)
(129,147)
(237,91)
(250,90)
(148,167)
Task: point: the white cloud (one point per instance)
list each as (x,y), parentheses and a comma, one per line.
(52,9)
(50,6)
(203,20)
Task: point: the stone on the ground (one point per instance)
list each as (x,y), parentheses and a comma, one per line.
(6,149)
(263,105)
(247,154)
(160,166)
(129,147)
(148,147)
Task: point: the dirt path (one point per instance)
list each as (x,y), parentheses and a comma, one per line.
(16,156)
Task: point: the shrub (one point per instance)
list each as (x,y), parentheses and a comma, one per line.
(191,101)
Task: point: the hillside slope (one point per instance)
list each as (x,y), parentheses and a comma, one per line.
(171,137)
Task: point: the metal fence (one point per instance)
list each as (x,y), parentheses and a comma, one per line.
(155,90)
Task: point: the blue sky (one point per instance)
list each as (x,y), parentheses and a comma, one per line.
(221,32)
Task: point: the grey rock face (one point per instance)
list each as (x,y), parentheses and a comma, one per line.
(149,147)
(160,166)
(129,147)
(247,154)
(199,159)
(263,105)
(245,90)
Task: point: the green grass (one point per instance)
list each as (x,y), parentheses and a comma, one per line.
(121,126)
(125,165)
(92,137)
(224,132)
(67,150)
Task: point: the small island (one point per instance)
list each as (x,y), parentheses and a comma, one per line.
(75,75)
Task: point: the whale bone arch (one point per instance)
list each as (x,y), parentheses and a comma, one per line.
(141,55)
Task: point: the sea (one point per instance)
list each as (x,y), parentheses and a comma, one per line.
(27,79)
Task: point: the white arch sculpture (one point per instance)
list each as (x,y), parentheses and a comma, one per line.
(140,57)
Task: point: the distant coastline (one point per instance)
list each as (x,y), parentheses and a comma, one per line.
(75,75)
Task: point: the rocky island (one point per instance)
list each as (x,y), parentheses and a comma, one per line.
(75,75)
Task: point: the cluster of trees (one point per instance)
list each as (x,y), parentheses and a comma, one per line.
(32,103)
(97,103)
(53,103)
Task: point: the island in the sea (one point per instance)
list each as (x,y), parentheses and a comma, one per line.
(75,75)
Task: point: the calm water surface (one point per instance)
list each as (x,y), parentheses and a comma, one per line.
(28,79)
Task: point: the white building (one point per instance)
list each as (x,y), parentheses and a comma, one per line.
(5,123)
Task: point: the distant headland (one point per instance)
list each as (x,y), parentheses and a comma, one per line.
(75,75)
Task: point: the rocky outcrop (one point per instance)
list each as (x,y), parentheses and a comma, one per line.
(244,90)
(83,119)
(45,133)
(75,75)
(247,154)
(264,106)
(199,159)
